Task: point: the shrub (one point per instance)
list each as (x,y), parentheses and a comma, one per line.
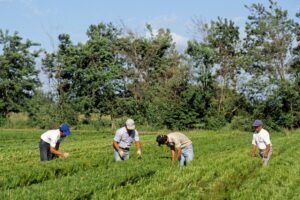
(242,123)
(215,122)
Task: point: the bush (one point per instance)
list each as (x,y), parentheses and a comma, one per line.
(215,122)
(242,123)
(180,118)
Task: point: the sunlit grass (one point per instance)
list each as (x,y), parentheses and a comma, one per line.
(222,168)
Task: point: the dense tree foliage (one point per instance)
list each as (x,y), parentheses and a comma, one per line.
(226,77)
(18,75)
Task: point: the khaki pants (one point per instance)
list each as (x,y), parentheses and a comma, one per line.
(262,153)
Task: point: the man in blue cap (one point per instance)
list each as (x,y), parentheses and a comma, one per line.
(50,141)
(261,139)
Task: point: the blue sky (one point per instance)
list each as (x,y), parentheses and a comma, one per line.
(42,21)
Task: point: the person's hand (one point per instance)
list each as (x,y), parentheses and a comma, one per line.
(139,153)
(65,154)
(121,153)
(253,155)
(265,155)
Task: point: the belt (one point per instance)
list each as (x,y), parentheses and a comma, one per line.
(126,149)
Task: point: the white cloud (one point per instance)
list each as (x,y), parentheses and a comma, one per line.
(31,7)
(163,21)
(179,40)
(239,20)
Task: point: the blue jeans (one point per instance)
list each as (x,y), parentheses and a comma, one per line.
(119,158)
(187,155)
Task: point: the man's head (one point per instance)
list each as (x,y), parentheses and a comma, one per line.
(162,139)
(257,124)
(65,129)
(130,126)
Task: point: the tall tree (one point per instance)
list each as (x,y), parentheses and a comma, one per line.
(100,75)
(152,63)
(295,64)
(60,67)
(88,75)
(268,42)
(203,59)
(222,44)
(18,73)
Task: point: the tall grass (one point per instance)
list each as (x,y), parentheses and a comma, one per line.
(222,168)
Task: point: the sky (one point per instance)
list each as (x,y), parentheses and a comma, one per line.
(42,21)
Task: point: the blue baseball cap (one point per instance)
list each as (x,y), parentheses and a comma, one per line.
(65,129)
(257,123)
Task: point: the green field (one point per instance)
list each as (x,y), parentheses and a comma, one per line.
(222,169)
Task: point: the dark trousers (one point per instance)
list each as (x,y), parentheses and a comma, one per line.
(45,153)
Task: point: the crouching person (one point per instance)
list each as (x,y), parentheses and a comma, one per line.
(50,141)
(180,145)
(123,139)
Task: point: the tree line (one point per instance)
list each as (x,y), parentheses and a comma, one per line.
(227,76)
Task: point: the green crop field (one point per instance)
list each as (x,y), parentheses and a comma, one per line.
(222,169)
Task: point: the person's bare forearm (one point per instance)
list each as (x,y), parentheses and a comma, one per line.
(57,146)
(138,145)
(172,155)
(116,146)
(56,152)
(179,152)
(267,150)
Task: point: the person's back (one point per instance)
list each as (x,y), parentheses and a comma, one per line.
(179,139)
(180,145)
(51,137)
(50,141)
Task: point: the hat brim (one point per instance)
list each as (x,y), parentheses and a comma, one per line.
(67,132)
(256,125)
(130,127)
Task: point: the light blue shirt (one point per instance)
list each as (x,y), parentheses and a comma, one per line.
(124,139)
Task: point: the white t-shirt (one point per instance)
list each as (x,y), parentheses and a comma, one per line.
(261,139)
(124,139)
(179,140)
(51,137)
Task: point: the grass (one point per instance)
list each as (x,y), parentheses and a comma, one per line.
(222,168)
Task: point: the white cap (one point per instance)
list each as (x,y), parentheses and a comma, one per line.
(130,124)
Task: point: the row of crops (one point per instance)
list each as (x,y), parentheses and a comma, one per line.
(222,169)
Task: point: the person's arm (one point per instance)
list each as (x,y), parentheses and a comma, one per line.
(179,152)
(57,145)
(267,151)
(253,150)
(56,152)
(138,148)
(267,141)
(117,148)
(117,139)
(172,153)
(253,146)
(137,143)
